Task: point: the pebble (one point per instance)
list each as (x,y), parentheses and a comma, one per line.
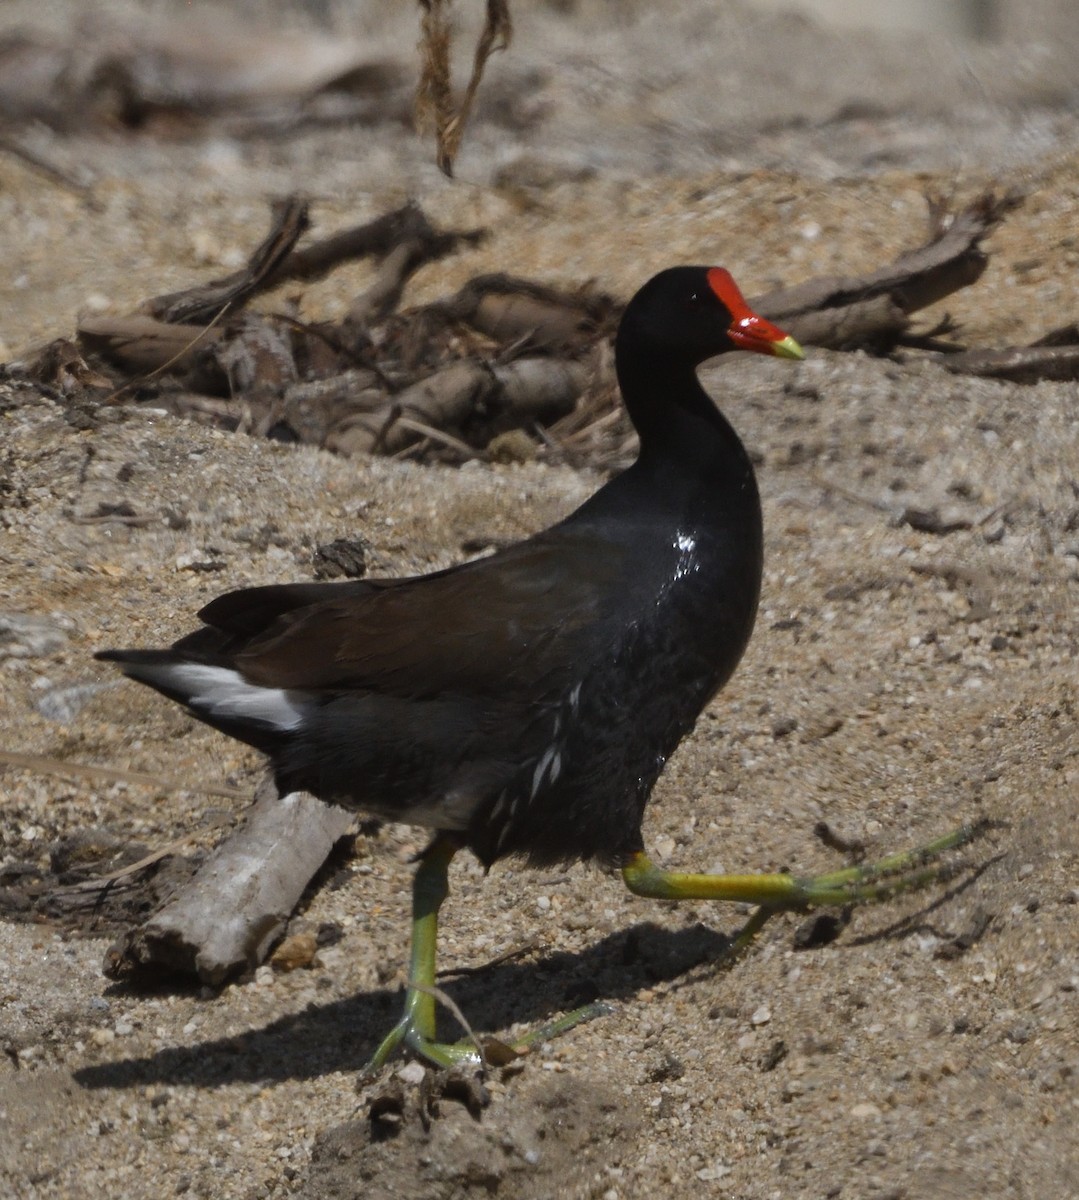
(96,303)
(412,1073)
(23,635)
(63,704)
(299,950)
(762,1016)
(866,1111)
(663,846)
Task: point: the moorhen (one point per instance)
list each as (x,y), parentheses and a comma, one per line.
(525,703)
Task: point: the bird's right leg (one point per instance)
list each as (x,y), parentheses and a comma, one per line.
(868,883)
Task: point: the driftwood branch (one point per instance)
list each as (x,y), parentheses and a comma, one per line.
(409,223)
(227,916)
(1021,364)
(500,354)
(197,306)
(277,260)
(161,337)
(843,311)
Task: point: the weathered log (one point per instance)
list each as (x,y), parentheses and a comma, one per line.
(228,915)
(444,400)
(531,388)
(465,393)
(877,321)
(509,309)
(142,344)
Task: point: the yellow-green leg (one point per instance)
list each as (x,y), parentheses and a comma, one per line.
(416,1030)
(903,872)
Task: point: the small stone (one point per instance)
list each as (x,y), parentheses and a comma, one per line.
(513,446)
(412,1073)
(96,303)
(299,950)
(762,1016)
(663,846)
(63,704)
(23,635)
(341,558)
(865,1111)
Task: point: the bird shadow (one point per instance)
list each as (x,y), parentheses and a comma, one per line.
(342,1034)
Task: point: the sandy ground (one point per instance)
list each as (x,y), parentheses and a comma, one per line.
(899,682)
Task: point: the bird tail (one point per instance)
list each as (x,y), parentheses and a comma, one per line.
(218,694)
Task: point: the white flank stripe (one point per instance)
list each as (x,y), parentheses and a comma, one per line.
(225,693)
(541,768)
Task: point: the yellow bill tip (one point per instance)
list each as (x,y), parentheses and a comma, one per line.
(788,348)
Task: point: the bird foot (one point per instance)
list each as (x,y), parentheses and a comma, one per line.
(869,883)
(481,1052)
(406,1034)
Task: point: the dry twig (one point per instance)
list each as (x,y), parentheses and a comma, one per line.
(434,95)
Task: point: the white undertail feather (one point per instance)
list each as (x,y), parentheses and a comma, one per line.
(225,693)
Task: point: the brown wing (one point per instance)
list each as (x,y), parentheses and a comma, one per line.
(512,623)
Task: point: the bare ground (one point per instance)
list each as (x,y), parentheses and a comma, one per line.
(900,682)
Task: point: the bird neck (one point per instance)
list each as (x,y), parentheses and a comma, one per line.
(677,421)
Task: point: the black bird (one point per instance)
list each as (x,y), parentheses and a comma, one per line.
(525,703)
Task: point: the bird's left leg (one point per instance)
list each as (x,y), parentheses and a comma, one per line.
(417,1028)
(865,884)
